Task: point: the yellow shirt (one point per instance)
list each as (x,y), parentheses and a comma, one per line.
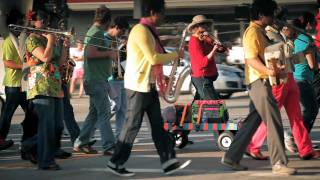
(12,77)
(141,56)
(254,43)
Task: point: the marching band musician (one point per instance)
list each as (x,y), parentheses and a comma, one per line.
(262,103)
(304,72)
(286,94)
(97,68)
(15,96)
(145,54)
(44,89)
(203,65)
(118,28)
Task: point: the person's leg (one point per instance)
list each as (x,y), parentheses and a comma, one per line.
(121,105)
(45,110)
(81,87)
(299,132)
(72,85)
(91,119)
(309,104)
(130,130)
(10,105)
(102,105)
(68,115)
(280,93)
(243,136)
(163,141)
(30,122)
(266,106)
(258,139)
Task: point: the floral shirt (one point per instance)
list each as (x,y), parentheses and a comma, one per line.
(44,78)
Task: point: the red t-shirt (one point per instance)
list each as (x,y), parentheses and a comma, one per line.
(200,64)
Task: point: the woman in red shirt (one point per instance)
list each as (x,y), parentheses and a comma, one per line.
(203,65)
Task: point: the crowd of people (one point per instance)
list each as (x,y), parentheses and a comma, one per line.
(40,59)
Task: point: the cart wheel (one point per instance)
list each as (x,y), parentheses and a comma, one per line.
(181,140)
(224,140)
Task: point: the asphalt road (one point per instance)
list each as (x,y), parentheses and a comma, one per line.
(144,160)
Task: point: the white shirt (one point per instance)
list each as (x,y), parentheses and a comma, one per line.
(74,52)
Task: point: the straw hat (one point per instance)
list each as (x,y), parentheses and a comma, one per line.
(198,19)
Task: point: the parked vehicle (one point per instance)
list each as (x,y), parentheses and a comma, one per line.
(236,56)
(230,80)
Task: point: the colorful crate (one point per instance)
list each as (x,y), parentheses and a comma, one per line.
(210,111)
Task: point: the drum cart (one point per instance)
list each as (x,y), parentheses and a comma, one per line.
(202,115)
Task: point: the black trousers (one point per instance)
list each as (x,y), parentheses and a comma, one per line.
(14,98)
(138,104)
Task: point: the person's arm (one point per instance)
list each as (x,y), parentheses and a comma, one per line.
(44,54)
(8,56)
(64,51)
(144,40)
(11,64)
(311,60)
(93,52)
(260,67)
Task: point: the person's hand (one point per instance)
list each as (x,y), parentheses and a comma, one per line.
(66,42)
(50,37)
(215,48)
(112,55)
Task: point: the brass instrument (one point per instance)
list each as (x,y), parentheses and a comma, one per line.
(18,28)
(173,88)
(67,68)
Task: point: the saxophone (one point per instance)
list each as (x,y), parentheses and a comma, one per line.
(173,88)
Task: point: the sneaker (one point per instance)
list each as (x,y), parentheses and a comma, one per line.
(176,167)
(123,172)
(281,169)
(108,152)
(233,165)
(5,144)
(289,142)
(85,150)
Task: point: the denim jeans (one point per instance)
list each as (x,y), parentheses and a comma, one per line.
(99,112)
(204,88)
(309,104)
(138,104)
(49,111)
(121,104)
(68,115)
(14,98)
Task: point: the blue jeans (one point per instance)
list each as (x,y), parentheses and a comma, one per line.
(99,112)
(121,104)
(49,111)
(68,118)
(204,88)
(309,104)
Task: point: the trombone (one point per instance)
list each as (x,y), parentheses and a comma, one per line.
(68,34)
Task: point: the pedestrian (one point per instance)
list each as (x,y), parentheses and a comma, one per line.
(145,55)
